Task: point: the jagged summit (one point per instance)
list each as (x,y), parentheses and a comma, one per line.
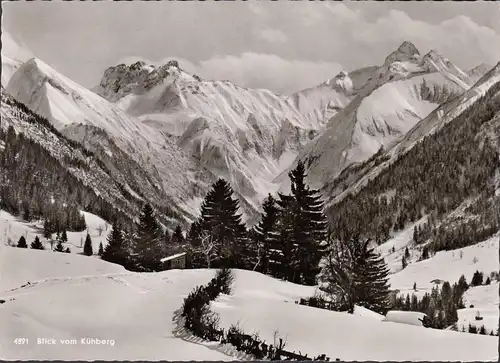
(138,78)
(405,52)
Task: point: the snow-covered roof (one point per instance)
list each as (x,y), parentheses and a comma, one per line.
(405,317)
(173,257)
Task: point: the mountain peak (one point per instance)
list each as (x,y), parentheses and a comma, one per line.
(408,48)
(405,52)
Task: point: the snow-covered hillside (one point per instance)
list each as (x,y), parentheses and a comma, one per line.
(73,297)
(12,228)
(428,125)
(400,93)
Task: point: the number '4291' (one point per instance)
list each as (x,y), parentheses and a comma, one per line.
(21,341)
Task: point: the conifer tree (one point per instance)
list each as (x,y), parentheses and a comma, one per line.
(403,262)
(101,250)
(425,253)
(462,283)
(355,274)
(308,226)
(59,246)
(407,253)
(477,279)
(37,244)
(372,275)
(87,247)
(64,236)
(265,234)
(22,243)
(148,242)
(115,251)
(221,222)
(177,236)
(47,232)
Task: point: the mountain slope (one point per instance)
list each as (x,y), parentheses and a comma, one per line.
(445,169)
(166,175)
(247,136)
(14,53)
(405,89)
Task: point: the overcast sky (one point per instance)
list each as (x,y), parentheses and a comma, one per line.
(282,46)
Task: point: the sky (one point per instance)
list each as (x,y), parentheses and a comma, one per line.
(281,46)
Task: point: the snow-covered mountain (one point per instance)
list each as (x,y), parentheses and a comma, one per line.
(14,53)
(248,136)
(160,165)
(477,72)
(432,123)
(397,95)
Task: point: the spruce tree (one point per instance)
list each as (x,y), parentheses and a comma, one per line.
(372,280)
(59,246)
(148,242)
(407,254)
(462,284)
(221,221)
(265,235)
(177,236)
(115,251)
(355,274)
(37,244)
(87,247)
(22,243)
(308,226)
(47,230)
(403,262)
(101,250)
(64,236)
(477,279)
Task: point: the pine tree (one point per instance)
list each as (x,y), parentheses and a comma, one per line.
(101,250)
(425,253)
(22,243)
(403,262)
(372,275)
(462,284)
(148,242)
(115,251)
(265,235)
(221,223)
(477,279)
(37,244)
(59,246)
(87,247)
(407,253)
(308,227)
(355,274)
(47,231)
(414,286)
(488,281)
(64,236)
(178,237)
(482,330)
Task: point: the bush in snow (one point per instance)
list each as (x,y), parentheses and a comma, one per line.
(67,250)
(22,243)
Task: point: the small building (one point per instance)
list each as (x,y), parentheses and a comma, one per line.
(177,261)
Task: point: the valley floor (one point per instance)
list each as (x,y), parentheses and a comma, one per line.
(70,296)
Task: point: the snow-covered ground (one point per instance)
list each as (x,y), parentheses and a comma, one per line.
(12,228)
(73,297)
(70,296)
